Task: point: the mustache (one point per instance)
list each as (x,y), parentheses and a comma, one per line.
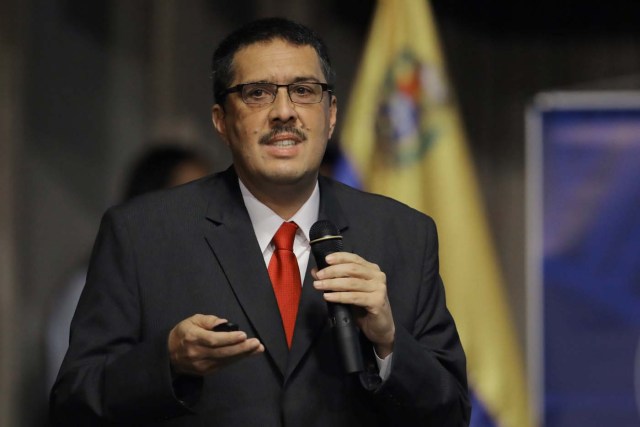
(264,139)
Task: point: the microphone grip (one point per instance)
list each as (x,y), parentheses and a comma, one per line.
(325,239)
(344,331)
(346,334)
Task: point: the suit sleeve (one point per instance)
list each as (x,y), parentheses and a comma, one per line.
(427,384)
(112,373)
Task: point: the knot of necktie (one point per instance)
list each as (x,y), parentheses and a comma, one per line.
(283,239)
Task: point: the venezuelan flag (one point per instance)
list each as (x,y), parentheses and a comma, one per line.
(403,136)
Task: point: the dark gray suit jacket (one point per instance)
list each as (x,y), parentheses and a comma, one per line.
(166,256)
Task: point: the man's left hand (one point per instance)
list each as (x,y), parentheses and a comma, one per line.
(350,279)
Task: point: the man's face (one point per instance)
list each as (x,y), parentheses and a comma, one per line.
(280,143)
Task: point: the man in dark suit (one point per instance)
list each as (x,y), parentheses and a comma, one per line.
(170,266)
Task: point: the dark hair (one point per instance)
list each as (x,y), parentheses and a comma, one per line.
(154,168)
(263,30)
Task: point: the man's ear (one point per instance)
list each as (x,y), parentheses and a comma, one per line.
(333,114)
(217,118)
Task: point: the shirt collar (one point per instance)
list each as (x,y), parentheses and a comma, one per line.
(266,222)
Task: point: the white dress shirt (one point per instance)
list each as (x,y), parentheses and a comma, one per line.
(265,224)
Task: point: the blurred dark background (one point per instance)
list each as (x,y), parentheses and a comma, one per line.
(85,84)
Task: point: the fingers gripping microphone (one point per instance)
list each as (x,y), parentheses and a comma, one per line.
(325,240)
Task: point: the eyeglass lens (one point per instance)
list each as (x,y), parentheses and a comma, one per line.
(299,93)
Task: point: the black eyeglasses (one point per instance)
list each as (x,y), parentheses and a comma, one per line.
(265,93)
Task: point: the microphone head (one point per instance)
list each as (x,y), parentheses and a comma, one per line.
(325,239)
(323,228)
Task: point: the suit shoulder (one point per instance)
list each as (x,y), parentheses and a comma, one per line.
(189,197)
(363,204)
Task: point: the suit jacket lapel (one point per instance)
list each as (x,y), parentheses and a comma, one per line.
(312,312)
(231,237)
(233,242)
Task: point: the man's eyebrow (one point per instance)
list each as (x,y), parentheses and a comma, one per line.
(306,79)
(295,80)
(310,79)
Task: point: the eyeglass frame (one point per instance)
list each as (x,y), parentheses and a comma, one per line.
(326,87)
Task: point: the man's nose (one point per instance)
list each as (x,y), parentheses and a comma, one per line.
(283,109)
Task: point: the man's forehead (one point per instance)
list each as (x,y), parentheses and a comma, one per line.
(266,60)
(276,41)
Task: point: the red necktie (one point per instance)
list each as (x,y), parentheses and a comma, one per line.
(285,276)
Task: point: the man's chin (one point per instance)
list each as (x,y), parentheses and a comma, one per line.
(291,178)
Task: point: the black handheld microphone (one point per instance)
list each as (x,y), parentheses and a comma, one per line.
(325,240)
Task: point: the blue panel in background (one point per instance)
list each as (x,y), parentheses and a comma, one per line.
(591,267)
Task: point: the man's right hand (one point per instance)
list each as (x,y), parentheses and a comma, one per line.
(194,349)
